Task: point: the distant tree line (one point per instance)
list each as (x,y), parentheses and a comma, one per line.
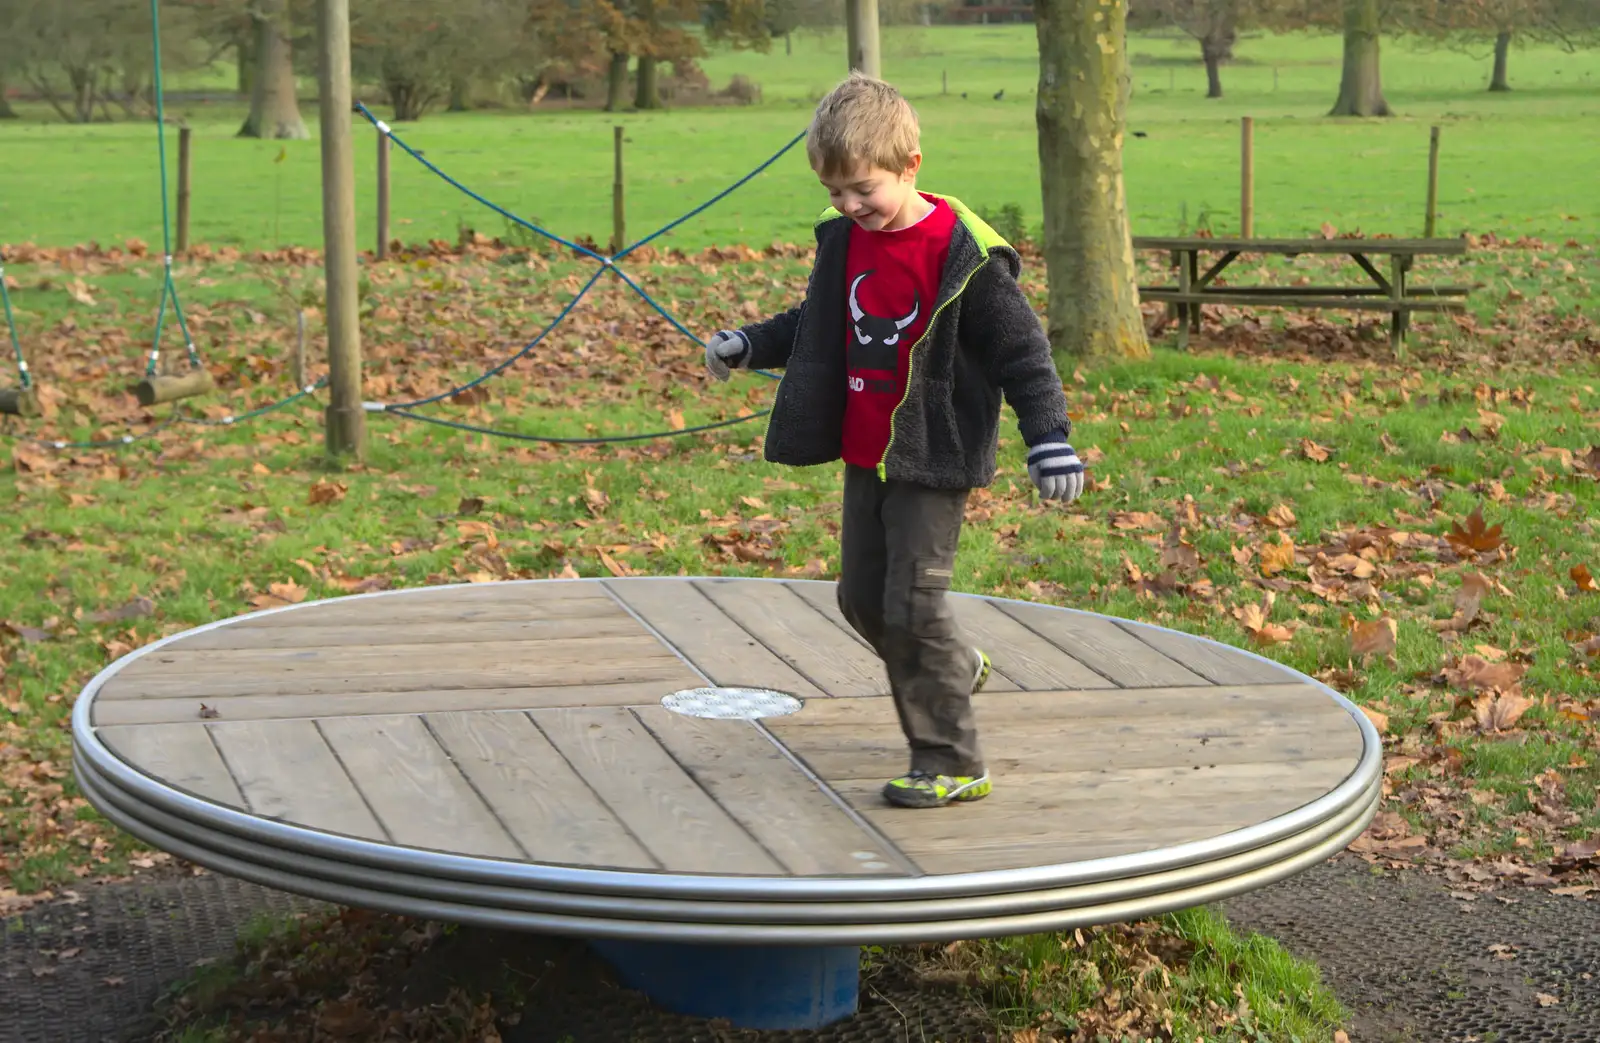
(91,59)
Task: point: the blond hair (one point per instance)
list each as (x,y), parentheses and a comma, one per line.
(862,120)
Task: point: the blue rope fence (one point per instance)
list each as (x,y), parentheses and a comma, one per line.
(606,264)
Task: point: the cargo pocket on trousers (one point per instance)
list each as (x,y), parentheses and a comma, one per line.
(930,616)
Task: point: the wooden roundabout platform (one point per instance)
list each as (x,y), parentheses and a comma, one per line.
(686,772)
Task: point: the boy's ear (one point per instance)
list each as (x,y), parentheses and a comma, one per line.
(913,165)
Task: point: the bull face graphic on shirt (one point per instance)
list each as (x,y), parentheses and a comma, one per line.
(876,344)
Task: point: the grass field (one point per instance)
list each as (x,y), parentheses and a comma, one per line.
(1513,164)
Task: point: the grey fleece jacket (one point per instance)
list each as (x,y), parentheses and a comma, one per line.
(982,340)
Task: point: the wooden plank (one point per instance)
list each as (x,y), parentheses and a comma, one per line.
(678,823)
(1216,663)
(1072,706)
(356,704)
(636,647)
(1019,653)
(534,792)
(414,788)
(463,603)
(1029,812)
(716,645)
(786,811)
(839,753)
(800,635)
(821,596)
(287,771)
(666,669)
(1242,297)
(1290,247)
(374,635)
(1098,643)
(181,755)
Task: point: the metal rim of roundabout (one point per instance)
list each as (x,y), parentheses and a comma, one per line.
(932,922)
(683,906)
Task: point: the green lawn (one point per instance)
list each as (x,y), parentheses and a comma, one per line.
(1513,164)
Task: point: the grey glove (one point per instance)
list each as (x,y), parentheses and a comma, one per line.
(1055,468)
(726,351)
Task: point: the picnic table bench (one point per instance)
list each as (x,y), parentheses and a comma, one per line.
(1392,293)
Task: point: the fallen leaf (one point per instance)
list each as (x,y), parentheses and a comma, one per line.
(1253,618)
(469,505)
(1136,520)
(32,635)
(1179,553)
(1314,452)
(1280,516)
(207,712)
(1475,673)
(1379,721)
(1374,637)
(1581,576)
(1469,600)
(325,491)
(753,502)
(79,291)
(1499,712)
(613,566)
(1475,537)
(1277,557)
(279,595)
(1545,999)
(136,609)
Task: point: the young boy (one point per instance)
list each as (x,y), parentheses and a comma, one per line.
(912,327)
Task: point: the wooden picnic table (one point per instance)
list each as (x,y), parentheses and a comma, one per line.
(1392,292)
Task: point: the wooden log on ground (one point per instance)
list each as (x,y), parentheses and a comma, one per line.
(19,401)
(162,388)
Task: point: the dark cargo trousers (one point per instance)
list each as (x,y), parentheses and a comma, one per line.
(897,551)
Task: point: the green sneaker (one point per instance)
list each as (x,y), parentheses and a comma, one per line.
(922,790)
(981,677)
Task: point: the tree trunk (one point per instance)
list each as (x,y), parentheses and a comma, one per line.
(646,96)
(1361,85)
(1502,44)
(616,81)
(245,52)
(6,111)
(460,95)
(83,94)
(1216,45)
(407,98)
(1213,71)
(274,110)
(1082,112)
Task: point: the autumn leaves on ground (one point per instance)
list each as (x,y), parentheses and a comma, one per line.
(1421,535)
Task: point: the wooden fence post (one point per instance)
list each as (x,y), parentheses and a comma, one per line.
(1433,183)
(1247,177)
(617,222)
(184,171)
(383,194)
(345,423)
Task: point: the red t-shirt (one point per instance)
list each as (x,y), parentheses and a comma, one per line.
(892,282)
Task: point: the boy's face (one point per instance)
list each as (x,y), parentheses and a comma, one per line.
(874,198)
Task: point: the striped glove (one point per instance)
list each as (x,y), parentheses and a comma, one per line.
(728,348)
(1055,468)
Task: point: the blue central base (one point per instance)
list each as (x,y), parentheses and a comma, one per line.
(752,986)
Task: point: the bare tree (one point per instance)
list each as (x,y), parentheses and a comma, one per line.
(80,55)
(417,49)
